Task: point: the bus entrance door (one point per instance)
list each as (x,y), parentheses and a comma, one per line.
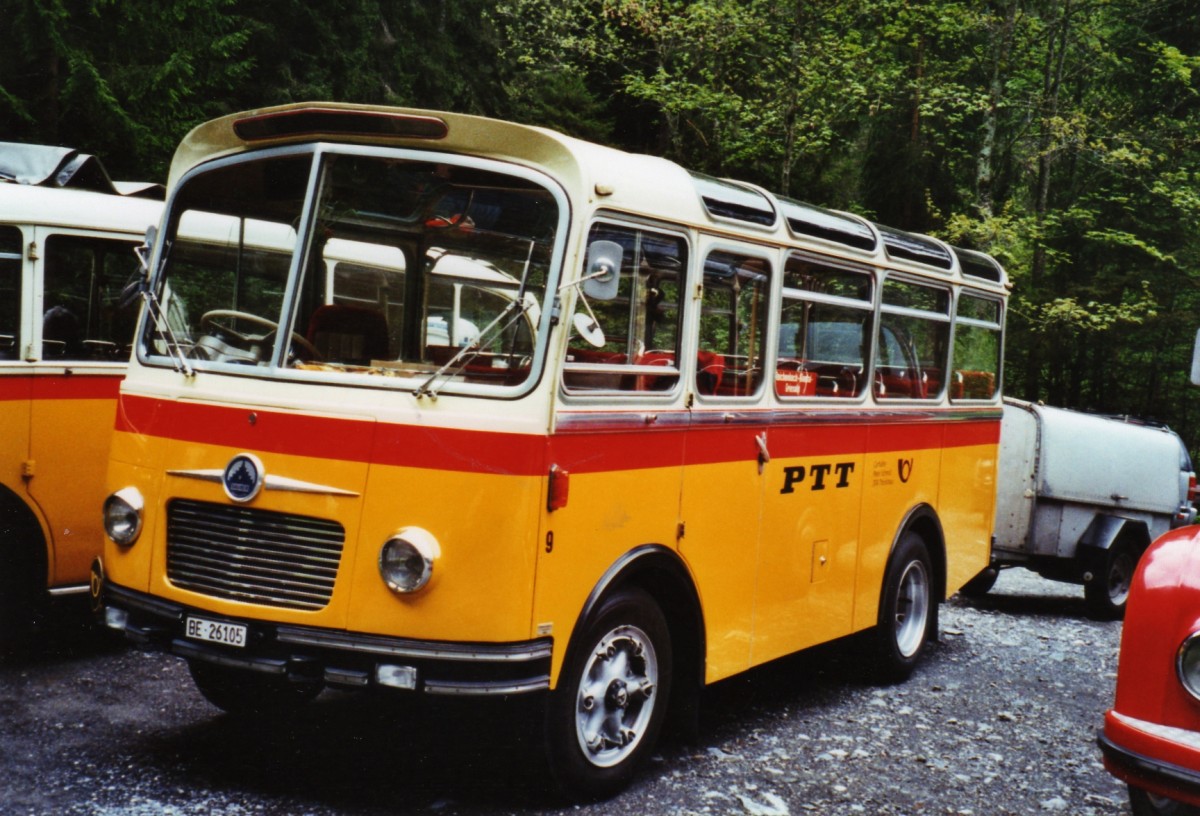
(810,537)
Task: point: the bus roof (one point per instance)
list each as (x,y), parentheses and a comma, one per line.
(629,182)
(79,209)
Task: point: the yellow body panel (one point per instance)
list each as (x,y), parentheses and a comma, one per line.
(69,442)
(608,515)
(482,586)
(14,441)
(721,505)
(967,509)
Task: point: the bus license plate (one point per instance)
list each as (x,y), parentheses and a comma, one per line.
(230,634)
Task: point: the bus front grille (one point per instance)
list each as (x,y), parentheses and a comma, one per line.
(255,556)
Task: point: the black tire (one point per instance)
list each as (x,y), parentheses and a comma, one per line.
(23,596)
(981,584)
(1108,590)
(246,693)
(1147,804)
(604,718)
(907,616)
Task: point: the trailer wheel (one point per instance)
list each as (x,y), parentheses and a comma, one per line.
(603,719)
(1108,590)
(246,693)
(906,612)
(1143,803)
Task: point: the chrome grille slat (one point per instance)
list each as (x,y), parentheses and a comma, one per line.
(275,531)
(219,569)
(306,555)
(244,589)
(247,554)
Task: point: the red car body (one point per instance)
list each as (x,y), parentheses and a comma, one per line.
(1151,736)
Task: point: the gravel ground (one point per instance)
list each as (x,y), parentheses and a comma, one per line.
(999,719)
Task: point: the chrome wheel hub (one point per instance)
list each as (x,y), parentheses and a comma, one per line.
(912,608)
(616,696)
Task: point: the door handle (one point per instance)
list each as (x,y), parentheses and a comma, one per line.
(764,455)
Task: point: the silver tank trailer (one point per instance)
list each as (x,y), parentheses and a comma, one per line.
(1080,496)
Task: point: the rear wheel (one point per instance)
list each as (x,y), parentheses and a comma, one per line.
(23,596)
(1144,803)
(603,719)
(1108,590)
(248,693)
(906,611)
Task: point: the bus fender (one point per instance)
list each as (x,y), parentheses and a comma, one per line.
(661,573)
(924,521)
(24,568)
(23,544)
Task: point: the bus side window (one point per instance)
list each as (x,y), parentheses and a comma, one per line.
(733,325)
(10,292)
(83,318)
(824,331)
(914,341)
(636,343)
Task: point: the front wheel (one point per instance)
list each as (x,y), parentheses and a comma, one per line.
(1144,803)
(249,694)
(603,719)
(906,611)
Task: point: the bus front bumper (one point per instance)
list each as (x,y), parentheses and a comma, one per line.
(337,658)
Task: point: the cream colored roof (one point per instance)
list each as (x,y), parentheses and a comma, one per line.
(83,209)
(638,182)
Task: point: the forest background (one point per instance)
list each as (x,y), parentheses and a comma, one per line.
(1061,136)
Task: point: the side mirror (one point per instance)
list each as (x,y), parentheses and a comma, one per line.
(1195,376)
(147,249)
(139,281)
(587,328)
(603,277)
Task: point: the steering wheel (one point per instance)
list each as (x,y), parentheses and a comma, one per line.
(209,321)
(219,321)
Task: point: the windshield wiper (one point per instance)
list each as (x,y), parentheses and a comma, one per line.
(469,352)
(141,287)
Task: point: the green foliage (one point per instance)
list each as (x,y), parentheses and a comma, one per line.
(1062,136)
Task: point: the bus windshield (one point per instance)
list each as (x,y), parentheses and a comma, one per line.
(374,265)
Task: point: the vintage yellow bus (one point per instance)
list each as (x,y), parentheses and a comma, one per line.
(601,429)
(67,235)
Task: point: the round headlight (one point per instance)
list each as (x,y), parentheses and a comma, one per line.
(1188,664)
(406,559)
(123,515)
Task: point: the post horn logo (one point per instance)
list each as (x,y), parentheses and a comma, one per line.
(243,477)
(904,468)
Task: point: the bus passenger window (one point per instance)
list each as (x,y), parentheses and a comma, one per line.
(10,292)
(635,344)
(975,373)
(824,330)
(83,318)
(733,323)
(914,335)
